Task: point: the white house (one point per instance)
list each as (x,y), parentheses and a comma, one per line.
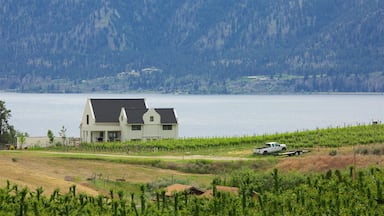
(126,119)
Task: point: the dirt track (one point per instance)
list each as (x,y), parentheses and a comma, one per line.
(316,161)
(164,157)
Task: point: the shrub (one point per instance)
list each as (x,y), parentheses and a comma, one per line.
(376,151)
(364,151)
(333,153)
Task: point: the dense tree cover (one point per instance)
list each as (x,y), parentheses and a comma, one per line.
(191,47)
(205,84)
(7,131)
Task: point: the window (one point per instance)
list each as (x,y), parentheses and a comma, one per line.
(136,127)
(167,127)
(87,119)
(113,136)
(101,136)
(151,118)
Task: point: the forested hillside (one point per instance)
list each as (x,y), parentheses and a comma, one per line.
(201,46)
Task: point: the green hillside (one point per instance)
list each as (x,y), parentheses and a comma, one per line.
(192,47)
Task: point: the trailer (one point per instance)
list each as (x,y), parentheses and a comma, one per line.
(293,152)
(278,149)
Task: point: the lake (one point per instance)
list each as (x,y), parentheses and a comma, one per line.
(205,115)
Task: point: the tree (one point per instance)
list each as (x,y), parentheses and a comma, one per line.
(7,131)
(51,137)
(21,138)
(63,134)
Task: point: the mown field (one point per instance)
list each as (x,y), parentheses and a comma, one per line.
(341,175)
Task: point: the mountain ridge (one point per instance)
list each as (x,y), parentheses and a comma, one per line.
(201,42)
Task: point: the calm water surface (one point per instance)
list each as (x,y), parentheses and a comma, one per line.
(205,115)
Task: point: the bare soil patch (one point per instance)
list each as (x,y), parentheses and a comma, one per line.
(34,174)
(320,161)
(33,171)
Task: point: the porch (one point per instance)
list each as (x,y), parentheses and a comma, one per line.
(105,136)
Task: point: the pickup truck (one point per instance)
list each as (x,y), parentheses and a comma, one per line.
(270,147)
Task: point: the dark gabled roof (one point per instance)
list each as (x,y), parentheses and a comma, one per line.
(167,115)
(135,116)
(108,110)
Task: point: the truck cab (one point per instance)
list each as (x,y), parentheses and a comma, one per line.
(270,147)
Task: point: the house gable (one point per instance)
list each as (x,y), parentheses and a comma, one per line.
(151,117)
(123,116)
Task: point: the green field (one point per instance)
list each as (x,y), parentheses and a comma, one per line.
(332,193)
(342,175)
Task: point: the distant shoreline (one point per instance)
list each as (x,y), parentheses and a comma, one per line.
(175,93)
